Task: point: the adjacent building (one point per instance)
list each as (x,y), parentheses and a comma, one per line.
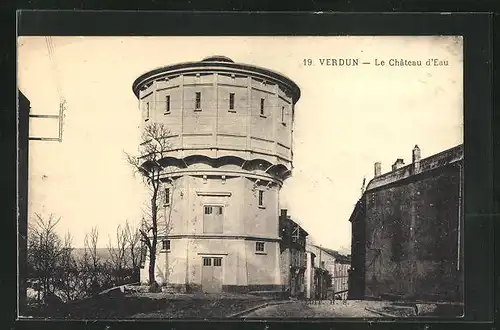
(317,280)
(340,276)
(293,255)
(406,231)
(336,265)
(231,131)
(22,184)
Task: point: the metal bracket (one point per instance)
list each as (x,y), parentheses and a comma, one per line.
(59,117)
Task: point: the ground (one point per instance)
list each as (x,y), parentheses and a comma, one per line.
(351,309)
(324,309)
(204,306)
(119,304)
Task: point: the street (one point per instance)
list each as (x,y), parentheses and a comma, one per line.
(301,309)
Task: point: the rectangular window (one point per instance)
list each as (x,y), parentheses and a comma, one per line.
(259,246)
(207,261)
(165,245)
(213,219)
(198,101)
(283,115)
(231,101)
(167,104)
(147,109)
(262,107)
(167,196)
(261,198)
(217,262)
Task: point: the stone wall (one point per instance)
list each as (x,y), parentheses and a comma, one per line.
(412,237)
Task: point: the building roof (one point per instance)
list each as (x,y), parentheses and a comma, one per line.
(334,253)
(302,230)
(438,160)
(217,63)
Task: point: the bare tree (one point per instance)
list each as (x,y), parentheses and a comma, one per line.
(92,259)
(118,255)
(45,248)
(68,278)
(153,150)
(133,237)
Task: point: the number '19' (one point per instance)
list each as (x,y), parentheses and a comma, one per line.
(308,61)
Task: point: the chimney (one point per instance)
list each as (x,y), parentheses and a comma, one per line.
(398,164)
(378,169)
(416,159)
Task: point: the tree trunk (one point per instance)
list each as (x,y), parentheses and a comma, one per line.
(154,215)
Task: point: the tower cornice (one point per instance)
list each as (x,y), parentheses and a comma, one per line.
(216,66)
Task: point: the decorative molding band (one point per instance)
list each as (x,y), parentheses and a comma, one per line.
(197,134)
(284,146)
(232,85)
(167,88)
(232,135)
(146,94)
(284,99)
(220,236)
(262,90)
(211,193)
(261,139)
(198,84)
(199,172)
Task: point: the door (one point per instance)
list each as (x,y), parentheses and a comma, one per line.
(211,280)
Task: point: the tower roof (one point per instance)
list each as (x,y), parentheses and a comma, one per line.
(217,63)
(217,58)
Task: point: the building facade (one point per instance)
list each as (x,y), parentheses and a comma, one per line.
(336,265)
(340,276)
(231,130)
(22,180)
(406,231)
(293,256)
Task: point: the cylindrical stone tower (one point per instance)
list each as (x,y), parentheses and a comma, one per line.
(231,128)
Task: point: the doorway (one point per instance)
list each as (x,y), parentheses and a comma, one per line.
(211,280)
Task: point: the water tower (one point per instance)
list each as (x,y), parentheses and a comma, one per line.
(230,137)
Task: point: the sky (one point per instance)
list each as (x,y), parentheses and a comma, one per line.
(348,118)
